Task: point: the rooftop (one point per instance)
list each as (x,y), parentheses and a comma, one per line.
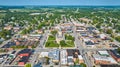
(89,43)
(54,54)
(24,59)
(115,53)
(73,52)
(111,65)
(25,51)
(104,58)
(103,53)
(8,45)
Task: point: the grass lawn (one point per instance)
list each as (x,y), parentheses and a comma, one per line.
(69,37)
(51,37)
(51,44)
(69,44)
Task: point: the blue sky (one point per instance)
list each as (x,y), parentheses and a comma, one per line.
(60,2)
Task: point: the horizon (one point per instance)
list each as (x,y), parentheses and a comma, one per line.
(60,3)
(66,5)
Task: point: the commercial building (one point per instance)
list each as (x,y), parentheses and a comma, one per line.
(88,42)
(23,60)
(9,45)
(54,55)
(109,65)
(25,52)
(12,55)
(24,55)
(98,59)
(103,53)
(115,55)
(83,34)
(34,37)
(66,27)
(85,20)
(63,55)
(73,55)
(43,54)
(80,29)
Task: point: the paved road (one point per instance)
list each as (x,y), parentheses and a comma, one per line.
(78,43)
(6,41)
(81,48)
(84,50)
(39,47)
(116,42)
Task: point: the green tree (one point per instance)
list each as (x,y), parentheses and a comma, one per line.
(98,25)
(69,37)
(117,38)
(54,32)
(118,50)
(83,65)
(109,31)
(62,43)
(77,61)
(5,33)
(47,60)
(28,65)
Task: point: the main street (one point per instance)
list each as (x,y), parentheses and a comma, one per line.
(81,48)
(40,47)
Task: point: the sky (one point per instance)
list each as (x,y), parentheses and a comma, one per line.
(60,2)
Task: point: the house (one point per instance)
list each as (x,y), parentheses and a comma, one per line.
(17,42)
(1,39)
(39,31)
(8,27)
(24,36)
(102,36)
(16,29)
